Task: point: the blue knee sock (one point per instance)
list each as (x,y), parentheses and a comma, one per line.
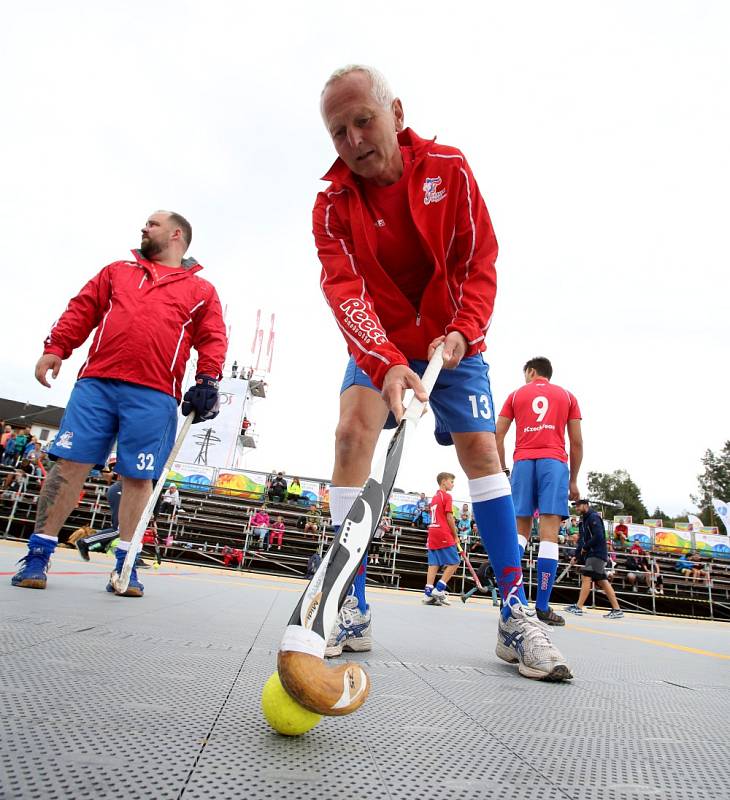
(494,512)
(358,586)
(547,566)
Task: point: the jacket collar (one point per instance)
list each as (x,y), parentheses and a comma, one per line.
(189,264)
(340,173)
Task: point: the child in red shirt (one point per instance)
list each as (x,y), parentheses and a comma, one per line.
(441,543)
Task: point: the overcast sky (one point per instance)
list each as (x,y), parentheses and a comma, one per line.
(598,133)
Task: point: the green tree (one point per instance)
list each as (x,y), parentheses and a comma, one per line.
(618,485)
(714,481)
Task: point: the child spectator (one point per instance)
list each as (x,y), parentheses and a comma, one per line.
(441,543)
(277,533)
(376,548)
(260,523)
(295,491)
(463,527)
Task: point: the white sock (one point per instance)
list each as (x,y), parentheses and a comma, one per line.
(548,550)
(45,536)
(341,500)
(123,545)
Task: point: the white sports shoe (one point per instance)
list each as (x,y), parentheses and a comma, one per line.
(522,639)
(443,596)
(352,630)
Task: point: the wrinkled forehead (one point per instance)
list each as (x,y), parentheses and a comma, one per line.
(348,95)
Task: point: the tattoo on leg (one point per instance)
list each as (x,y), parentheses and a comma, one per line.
(52,487)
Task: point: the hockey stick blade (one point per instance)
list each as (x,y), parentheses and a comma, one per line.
(120,582)
(562,575)
(303,673)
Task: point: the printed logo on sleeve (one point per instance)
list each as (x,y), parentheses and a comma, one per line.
(358,320)
(431,192)
(65,440)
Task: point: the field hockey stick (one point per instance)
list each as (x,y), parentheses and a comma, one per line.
(562,574)
(343,689)
(471,568)
(120,582)
(617,504)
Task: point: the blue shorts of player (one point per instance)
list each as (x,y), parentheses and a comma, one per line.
(540,483)
(443,557)
(461,399)
(143,420)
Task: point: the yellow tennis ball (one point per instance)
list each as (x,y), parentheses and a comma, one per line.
(282,712)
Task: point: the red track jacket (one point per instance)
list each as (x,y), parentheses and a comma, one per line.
(145,325)
(380,326)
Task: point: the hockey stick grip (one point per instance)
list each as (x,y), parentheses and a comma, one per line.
(428,379)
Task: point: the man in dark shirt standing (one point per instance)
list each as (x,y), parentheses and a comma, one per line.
(592,552)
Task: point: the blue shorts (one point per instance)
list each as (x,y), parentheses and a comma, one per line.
(540,483)
(444,557)
(461,399)
(99,411)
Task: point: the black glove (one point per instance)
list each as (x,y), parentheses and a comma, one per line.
(202,398)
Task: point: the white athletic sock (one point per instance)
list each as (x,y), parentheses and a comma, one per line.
(123,545)
(522,542)
(341,500)
(45,536)
(548,550)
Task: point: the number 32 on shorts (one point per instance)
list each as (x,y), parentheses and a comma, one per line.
(145,461)
(480,406)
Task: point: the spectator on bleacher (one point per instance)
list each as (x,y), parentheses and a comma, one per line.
(690,568)
(245,425)
(377,548)
(463,528)
(14,484)
(639,571)
(276,537)
(21,440)
(421,520)
(231,557)
(171,500)
(278,489)
(574,532)
(563,532)
(313,524)
(476,539)
(621,535)
(260,522)
(656,575)
(295,491)
(9,453)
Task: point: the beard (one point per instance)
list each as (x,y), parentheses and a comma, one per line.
(150,249)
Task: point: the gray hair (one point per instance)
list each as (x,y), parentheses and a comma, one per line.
(382,92)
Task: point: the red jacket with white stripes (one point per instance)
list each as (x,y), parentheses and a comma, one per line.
(380,326)
(145,325)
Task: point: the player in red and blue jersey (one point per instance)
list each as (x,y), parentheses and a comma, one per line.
(441,542)
(541,478)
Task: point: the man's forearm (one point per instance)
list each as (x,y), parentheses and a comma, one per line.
(576,459)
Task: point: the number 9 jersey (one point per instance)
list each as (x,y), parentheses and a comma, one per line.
(541,410)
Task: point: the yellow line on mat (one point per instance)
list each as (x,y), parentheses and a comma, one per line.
(657,642)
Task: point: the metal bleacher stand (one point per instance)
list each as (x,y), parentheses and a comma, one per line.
(209,526)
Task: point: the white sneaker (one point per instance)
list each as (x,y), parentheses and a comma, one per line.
(352,631)
(522,639)
(441,596)
(431,600)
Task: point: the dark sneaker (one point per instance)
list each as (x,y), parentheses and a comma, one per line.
(83,548)
(549,617)
(574,608)
(135,588)
(32,575)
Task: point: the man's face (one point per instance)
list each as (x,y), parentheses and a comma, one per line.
(364,133)
(156,234)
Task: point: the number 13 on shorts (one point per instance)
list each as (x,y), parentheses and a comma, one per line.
(480,406)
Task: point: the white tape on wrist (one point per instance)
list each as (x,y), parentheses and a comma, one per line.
(301,640)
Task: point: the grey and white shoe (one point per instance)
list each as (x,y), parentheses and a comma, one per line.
(614,613)
(352,631)
(522,639)
(431,600)
(442,597)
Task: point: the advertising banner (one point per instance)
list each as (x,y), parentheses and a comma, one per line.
(715,545)
(241,483)
(191,477)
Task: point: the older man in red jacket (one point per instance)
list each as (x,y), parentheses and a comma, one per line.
(148,313)
(408,261)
